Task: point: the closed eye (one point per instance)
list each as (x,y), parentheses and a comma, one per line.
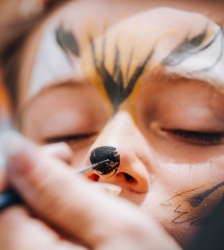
(198,138)
(69,138)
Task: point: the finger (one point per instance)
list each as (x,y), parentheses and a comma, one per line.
(19,231)
(3,176)
(16,230)
(3,180)
(60,150)
(69,202)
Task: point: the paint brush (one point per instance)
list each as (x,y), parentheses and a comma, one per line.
(94,166)
(11,197)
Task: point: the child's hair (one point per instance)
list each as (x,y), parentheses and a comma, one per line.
(12,39)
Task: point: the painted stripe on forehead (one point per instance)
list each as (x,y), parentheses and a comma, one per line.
(52,64)
(197,47)
(67,41)
(202,60)
(185,50)
(114,83)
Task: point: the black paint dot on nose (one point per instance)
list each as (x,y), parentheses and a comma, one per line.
(105,153)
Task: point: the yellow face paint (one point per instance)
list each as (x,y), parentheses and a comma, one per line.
(116,61)
(115,68)
(120,56)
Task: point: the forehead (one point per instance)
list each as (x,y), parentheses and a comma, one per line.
(160,33)
(134,48)
(76,17)
(156,40)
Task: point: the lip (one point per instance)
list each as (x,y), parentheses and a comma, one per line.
(139,192)
(134,196)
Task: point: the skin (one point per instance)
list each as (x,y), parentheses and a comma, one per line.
(43,180)
(165,168)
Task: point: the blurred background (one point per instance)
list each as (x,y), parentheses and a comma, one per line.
(11,10)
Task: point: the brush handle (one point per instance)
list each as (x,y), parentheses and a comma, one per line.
(11,197)
(86,169)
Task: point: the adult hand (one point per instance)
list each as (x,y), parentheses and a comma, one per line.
(20,228)
(69,206)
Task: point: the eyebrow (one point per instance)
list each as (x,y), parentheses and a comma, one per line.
(186,49)
(64,84)
(58,85)
(192,47)
(199,59)
(162,74)
(195,46)
(185,76)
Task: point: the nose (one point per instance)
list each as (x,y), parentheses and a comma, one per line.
(103,154)
(124,145)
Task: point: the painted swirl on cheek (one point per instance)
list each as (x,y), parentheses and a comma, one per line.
(198,205)
(105,153)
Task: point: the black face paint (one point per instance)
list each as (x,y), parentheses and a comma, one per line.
(185,50)
(191,47)
(114,83)
(196,200)
(185,209)
(67,41)
(104,153)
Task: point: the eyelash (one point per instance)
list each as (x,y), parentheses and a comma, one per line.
(194,137)
(68,138)
(200,138)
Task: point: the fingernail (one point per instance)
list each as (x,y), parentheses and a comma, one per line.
(3,144)
(12,144)
(2,160)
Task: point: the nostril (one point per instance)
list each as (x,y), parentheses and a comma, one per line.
(129,178)
(94,177)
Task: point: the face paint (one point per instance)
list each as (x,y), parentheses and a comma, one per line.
(120,65)
(104,153)
(201,58)
(67,41)
(114,83)
(195,205)
(53,63)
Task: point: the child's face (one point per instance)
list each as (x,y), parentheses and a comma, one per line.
(128,89)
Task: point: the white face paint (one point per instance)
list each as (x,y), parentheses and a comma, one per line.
(205,62)
(52,64)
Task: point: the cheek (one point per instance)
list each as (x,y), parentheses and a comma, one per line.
(195,190)
(184,197)
(195,205)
